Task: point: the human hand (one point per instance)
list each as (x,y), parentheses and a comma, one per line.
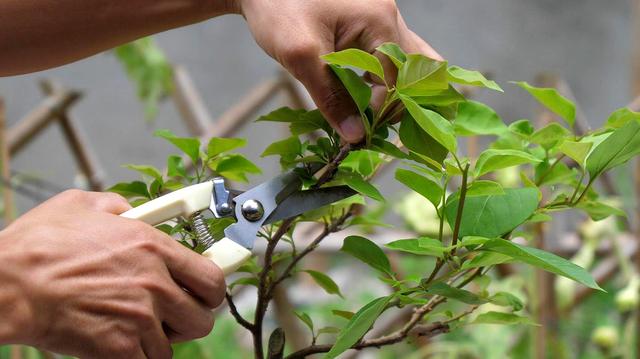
(296,33)
(90,283)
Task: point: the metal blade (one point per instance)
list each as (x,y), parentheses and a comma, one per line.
(304,201)
(244,232)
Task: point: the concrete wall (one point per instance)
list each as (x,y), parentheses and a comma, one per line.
(586,41)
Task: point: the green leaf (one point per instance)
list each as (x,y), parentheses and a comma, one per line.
(325,282)
(420,73)
(541,259)
(494,215)
(420,184)
(560,173)
(328,330)
(131,189)
(358,326)
(360,92)
(356,58)
(306,319)
(522,128)
(431,122)
(464,296)
(507,299)
(599,210)
(363,162)
(309,122)
(235,167)
(577,151)
(491,160)
(471,78)
(359,184)
(393,52)
(287,147)
(421,246)
(175,167)
(475,118)
(550,136)
(502,318)
(343,313)
(190,146)
(147,170)
(388,148)
(485,259)
(147,66)
(283,114)
(368,252)
(218,145)
(620,118)
(447,97)
(551,99)
(420,142)
(484,188)
(618,148)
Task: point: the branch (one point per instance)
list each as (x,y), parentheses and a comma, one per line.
(236,315)
(410,329)
(264,287)
(333,227)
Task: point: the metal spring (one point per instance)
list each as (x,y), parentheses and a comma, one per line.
(203,236)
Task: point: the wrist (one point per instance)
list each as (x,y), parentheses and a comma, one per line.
(15,311)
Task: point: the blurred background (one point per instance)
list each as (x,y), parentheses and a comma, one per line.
(584,45)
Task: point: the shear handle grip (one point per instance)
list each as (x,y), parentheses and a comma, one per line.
(183,202)
(228,255)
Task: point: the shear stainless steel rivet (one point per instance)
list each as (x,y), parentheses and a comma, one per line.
(252,210)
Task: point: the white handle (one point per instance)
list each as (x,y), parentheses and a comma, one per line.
(183,202)
(228,255)
(225,253)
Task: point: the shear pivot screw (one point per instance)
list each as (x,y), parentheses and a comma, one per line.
(252,210)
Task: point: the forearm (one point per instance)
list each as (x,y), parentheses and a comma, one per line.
(39,34)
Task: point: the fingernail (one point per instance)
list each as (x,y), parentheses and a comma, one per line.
(352,129)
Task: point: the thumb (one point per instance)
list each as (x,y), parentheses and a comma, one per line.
(329,95)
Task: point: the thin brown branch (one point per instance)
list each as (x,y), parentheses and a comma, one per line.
(236,315)
(333,227)
(265,291)
(411,328)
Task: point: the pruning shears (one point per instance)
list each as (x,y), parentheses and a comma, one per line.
(277,199)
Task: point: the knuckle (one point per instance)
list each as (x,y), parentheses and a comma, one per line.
(112,198)
(387,7)
(124,345)
(145,242)
(73,195)
(152,285)
(297,53)
(143,315)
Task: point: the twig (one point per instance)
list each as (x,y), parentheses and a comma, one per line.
(411,328)
(333,227)
(236,315)
(265,291)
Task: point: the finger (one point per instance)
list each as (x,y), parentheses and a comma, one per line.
(155,343)
(202,278)
(328,93)
(412,43)
(184,317)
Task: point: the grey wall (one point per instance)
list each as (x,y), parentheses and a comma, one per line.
(587,41)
